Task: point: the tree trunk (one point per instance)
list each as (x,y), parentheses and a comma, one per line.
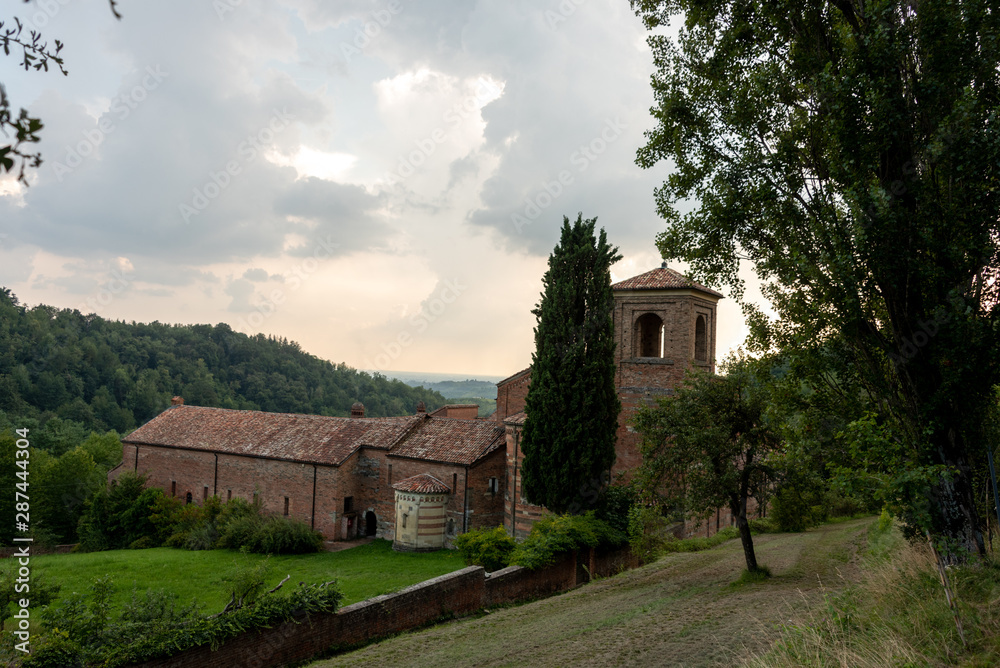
(958,518)
(739,509)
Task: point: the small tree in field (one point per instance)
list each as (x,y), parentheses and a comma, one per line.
(706,446)
(572,404)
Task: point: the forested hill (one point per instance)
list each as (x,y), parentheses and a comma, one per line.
(97,374)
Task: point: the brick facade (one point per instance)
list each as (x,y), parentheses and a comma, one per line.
(664,324)
(335,474)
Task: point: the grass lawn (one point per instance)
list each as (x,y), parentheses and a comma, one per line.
(362,572)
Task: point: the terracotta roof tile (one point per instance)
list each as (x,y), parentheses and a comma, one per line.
(423,483)
(516,418)
(451,440)
(662,279)
(315,439)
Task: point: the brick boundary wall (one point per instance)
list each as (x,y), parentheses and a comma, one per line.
(516,583)
(455,594)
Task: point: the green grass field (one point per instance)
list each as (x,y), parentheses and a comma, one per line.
(362,572)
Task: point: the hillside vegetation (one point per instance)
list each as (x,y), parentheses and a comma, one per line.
(93,374)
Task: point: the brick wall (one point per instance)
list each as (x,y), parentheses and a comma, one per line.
(460,593)
(511,395)
(515,583)
(604,563)
(364,477)
(486,507)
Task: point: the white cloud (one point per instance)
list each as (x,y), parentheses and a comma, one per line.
(399,167)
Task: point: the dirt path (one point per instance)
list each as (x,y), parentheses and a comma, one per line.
(680,611)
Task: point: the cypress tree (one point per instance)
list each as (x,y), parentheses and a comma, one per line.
(572,405)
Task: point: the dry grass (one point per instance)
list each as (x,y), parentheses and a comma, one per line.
(682,610)
(897,615)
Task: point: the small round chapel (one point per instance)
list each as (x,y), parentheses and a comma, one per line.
(421,526)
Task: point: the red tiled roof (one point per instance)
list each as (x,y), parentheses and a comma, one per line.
(451,440)
(423,483)
(316,439)
(662,279)
(516,418)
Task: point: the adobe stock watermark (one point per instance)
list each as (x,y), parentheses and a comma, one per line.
(47,10)
(122,107)
(118,284)
(294,278)
(223,7)
(369,29)
(408,164)
(581,159)
(419,323)
(562,13)
(246,152)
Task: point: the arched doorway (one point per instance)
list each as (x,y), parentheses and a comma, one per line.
(371,524)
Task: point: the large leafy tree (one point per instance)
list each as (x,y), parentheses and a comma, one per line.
(707,446)
(849,150)
(572,405)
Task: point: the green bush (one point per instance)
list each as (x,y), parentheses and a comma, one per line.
(762,525)
(118,515)
(614,504)
(143,543)
(270,535)
(556,534)
(238,531)
(796,508)
(285,535)
(54,650)
(489,548)
(201,538)
(647,532)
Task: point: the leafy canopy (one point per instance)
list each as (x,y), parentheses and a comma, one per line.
(707,446)
(849,151)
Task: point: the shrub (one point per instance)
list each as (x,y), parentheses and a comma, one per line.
(271,535)
(796,508)
(239,532)
(614,505)
(143,543)
(118,515)
(556,534)
(762,525)
(201,538)
(285,535)
(489,548)
(647,532)
(54,650)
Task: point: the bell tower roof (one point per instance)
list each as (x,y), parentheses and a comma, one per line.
(663,278)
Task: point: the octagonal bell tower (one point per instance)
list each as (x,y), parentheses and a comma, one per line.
(664,324)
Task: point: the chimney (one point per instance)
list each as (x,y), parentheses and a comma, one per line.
(358,410)
(177,401)
(421,408)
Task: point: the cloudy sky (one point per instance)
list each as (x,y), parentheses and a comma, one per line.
(380,181)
